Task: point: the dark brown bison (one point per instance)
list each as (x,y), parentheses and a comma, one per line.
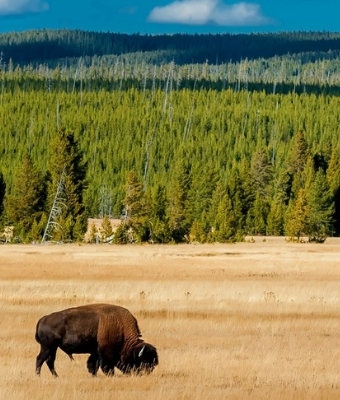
(110,334)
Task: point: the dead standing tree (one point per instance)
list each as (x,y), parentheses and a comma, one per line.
(56,210)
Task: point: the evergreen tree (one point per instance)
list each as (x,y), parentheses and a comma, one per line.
(308,175)
(241,190)
(121,234)
(221,215)
(320,209)
(25,205)
(225,223)
(135,214)
(159,225)
(93,234)
(257,216)
(37,230)
(296,217)
(106,228)
(275,220)
(283,186)
(177,208)
(297,162)
(299,153)
(198,232)
(278,205)
(204,178)
(78,229)
(66,163)
(262,172)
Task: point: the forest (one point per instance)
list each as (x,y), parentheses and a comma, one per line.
(204,138)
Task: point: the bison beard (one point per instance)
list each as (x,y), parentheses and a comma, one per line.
(110,334)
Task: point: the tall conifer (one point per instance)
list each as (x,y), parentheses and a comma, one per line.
(159,224)
(25,205)
(135,213)
(296,217)
(177,208)
(320,207)
(67,162)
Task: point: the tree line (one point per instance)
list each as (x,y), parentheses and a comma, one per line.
(291,73)
(45,45)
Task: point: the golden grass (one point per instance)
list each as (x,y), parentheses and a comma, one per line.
(249,320)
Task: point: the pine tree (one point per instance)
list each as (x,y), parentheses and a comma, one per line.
(177,208)
(78,229)
(262,172)
(225,223)
(106,228)
(93,234)
(283,187)
(67,159)
(26,203)
(222,219)
(135,214)
(159,225)
(298,154)
(198,232)
(320,208)
(297,161)
(257,216)
(241,190)
(121,234)
(279,204)
(296,217)
(275,220)
(203,184)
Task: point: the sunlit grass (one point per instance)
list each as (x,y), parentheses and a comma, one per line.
(254,320)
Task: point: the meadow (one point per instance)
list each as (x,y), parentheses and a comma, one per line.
(247,320)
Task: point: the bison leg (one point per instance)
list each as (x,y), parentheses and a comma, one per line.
(50,362)
(107,367)
(93,364)
(41,358)
(107,364)
(48,355)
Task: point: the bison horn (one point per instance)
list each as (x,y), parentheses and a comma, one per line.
(141,352)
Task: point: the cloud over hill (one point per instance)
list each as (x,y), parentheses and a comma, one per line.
(209,12)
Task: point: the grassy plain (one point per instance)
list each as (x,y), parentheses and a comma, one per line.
(250,320)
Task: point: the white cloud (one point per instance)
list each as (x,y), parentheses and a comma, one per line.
(209,12)
(15,7)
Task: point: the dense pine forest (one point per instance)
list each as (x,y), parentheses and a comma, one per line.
(184,137)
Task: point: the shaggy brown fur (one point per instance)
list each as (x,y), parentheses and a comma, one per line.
(109,333)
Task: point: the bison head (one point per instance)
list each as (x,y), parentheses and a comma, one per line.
(143,358)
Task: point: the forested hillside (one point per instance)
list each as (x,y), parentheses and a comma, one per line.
(206,151)
(47,45)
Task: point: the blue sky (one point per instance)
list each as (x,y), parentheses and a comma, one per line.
(171,16)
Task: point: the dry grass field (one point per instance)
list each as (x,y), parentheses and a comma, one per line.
(249,320)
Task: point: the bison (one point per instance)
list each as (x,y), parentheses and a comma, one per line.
(109,333)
